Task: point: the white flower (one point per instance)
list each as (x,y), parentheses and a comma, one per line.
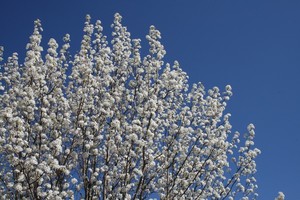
(280,196)
(18,187)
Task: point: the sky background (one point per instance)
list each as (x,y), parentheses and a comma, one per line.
(252,45)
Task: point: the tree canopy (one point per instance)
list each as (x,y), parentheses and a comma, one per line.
(110,123)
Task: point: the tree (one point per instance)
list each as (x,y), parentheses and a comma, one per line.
(109,123)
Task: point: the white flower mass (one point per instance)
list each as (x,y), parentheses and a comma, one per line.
(109,123)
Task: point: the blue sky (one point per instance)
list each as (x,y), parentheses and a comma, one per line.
(252,45)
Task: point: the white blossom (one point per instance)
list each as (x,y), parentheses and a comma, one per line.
(280,196)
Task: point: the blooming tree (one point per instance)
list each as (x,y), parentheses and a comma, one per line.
(109,123)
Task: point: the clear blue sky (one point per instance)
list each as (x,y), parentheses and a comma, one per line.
(252,45)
